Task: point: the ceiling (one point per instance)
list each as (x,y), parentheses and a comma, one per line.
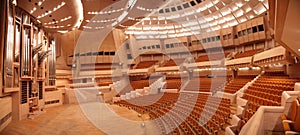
(184,18)
(53,14)
(147,16)
(65,15)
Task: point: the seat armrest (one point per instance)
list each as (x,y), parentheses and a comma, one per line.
(286,126)
(288,121)
(292,133)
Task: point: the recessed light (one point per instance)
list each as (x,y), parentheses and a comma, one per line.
(299,50)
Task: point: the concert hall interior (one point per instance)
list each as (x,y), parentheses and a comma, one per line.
(156,67)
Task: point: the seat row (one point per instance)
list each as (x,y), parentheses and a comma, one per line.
(203,84)
(145,64)
(237,83)
(247,53)
(184,113)
(266,91)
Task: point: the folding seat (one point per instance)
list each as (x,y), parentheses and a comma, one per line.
(264,102)
(293,124)
(271,97)
(183,128)
(260,101)
(269,103)
(254,99)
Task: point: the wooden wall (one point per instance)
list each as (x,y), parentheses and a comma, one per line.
(249,72)
(293,70)
(5,112)
(53,98)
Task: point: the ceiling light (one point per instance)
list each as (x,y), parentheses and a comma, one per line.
(79,10)
(14,2)
(298,50)
(62,31)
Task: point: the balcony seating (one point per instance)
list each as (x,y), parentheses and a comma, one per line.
(145,64)
(173,62)
(237,83)
(292,125)
(247,53)
(266,91)
(96,67)
(207,114)
(140,84)
(211,57)
(105,83)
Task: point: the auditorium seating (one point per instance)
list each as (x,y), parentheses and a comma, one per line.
(207,114)
(139,84)
(203,84)
(173,62)
(97,66)
(292,124)
(160,101)
(247,53)
(237,83)
(105,83)
(202,58)
(266,91)
(181,114)
(173,84)
(145,64)
(211,57)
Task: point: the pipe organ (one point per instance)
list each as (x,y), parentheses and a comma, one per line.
(28,61)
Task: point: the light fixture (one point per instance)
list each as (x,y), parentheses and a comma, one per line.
(14,2)
(54,9)
(79,10)
(62,31)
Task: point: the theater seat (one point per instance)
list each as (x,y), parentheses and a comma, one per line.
(292,125)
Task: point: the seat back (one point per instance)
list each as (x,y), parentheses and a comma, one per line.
(297,116)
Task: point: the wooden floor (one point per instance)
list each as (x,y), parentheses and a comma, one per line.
(61,120)
(69,120)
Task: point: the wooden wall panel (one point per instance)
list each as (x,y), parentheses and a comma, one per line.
(6,109)
(52,96)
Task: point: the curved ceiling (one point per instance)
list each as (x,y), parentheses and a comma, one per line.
(159,18)
(195,17)
(54,14)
